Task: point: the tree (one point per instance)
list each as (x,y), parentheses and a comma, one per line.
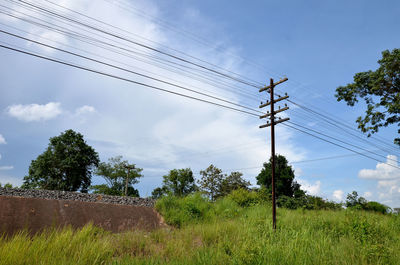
(179,182)
(115,173)
(284,178)
(360,203)
(380,90)
(233,182)
(67,164)
(158,193)
(210,182)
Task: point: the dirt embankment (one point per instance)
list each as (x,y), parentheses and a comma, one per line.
(36,214)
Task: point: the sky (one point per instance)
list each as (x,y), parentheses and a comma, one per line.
(318,45)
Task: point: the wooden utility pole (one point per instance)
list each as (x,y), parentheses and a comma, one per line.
(127,178)
(270,90)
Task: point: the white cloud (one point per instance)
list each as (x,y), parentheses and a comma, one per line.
(6,167)
(35,112)
(338,195)
(387,177)
(312,189)
(2,140)
(386,170)
(85,110)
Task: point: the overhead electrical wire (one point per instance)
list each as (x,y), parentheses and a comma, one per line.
(129,71)
(92,41)
(139,44)
(225,106)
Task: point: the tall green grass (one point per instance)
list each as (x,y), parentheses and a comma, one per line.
(221,233)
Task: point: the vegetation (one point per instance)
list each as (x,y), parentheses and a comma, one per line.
(221,232)
(380,90)
(215,184)
(360,203)
(7,186)
(179,182)
(67,164)
(116,172)
(284,176)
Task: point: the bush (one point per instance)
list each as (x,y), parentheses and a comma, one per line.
(178,211)
(376,207)
(244,198)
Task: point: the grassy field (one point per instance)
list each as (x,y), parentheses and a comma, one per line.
(221,233)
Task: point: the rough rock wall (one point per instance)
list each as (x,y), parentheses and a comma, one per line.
(76,196)
(36,210)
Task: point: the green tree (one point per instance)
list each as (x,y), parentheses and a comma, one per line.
(179,182)
(380,90)
(158,193)
(67,164)
(210,182)
(233,182)
(284,178)
(8,186)
(115,173)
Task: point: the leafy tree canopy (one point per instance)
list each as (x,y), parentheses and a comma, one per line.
(67,164)
(360,203)
(284,178)
(233,182)
(180,182)
(115,172)
(380,90)
(211,180)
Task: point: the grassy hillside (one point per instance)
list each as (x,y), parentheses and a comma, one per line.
(221,233)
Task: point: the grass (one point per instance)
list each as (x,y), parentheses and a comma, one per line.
(221,233)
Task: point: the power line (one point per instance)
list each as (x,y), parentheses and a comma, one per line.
(139,44)
(313,135)
(129,71)
(124,79)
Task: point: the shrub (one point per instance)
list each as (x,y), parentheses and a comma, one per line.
(244,198)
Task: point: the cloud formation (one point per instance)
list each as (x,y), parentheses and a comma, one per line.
(388,180)
(312,189)
(338,195)
(2,140)
(35,112)
(6,167)
(383,171)
(85,110)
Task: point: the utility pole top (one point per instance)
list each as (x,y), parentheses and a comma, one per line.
(272,122)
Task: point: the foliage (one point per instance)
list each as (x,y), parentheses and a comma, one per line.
(158,193)
(233,182)
(284,178)
(179,182)
(115,172)
(216,185)
(380,90)
(360,203)
(67,164)
(244,197)
(211,180)
(8,186)
(178,211)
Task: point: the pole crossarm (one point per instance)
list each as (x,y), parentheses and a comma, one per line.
(276,100)
(275,123)
(269,114)
(277,83)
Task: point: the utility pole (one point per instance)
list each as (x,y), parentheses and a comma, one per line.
(272,123)
(127,178)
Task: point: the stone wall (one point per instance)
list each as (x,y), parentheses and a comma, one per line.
(36,210)
(76,196)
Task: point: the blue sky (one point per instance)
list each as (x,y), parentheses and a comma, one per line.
(318,45)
